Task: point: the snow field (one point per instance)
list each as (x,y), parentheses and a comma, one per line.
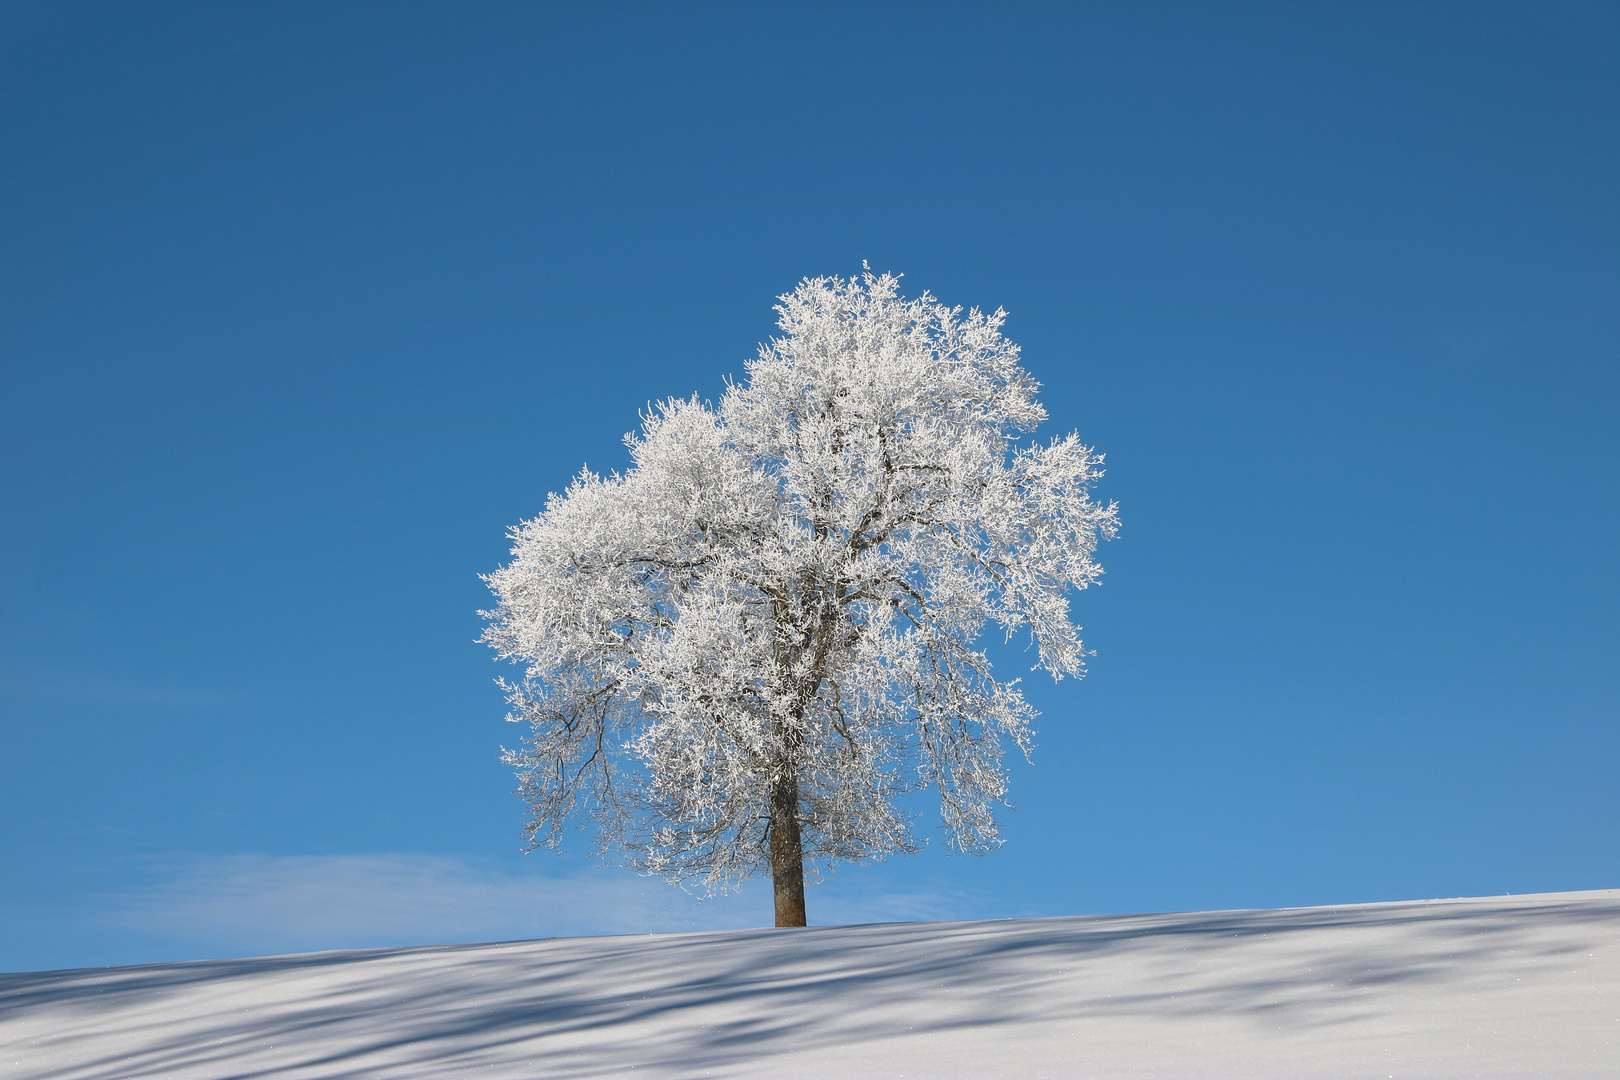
(1496,987)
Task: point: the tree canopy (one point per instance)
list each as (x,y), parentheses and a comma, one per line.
(741,651)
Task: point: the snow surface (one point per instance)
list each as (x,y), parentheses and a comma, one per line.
(1497,987)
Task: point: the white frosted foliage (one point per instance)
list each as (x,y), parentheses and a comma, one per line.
(792,583)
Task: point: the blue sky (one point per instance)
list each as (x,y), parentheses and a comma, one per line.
(303,306)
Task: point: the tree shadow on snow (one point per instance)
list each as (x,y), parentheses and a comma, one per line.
(695,1002)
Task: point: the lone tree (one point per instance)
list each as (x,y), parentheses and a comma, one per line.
(744,649)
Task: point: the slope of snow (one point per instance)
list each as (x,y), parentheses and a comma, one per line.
(1499,987)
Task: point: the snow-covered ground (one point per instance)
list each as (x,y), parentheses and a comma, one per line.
(1500,987)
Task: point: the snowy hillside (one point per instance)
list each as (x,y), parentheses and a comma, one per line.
(1500,987)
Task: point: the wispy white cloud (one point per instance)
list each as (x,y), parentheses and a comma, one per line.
(75,686)
(247,904)
(264,903)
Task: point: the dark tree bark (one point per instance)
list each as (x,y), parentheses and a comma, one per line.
(787,853)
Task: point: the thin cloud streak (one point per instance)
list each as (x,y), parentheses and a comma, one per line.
(78,687)
(248,904)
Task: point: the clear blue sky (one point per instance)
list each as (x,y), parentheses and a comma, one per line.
(303,306)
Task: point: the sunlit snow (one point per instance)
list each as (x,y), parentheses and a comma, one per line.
(1497,987)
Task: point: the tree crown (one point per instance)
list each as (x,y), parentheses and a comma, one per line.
(789,585)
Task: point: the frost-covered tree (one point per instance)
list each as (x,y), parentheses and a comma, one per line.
(744,649)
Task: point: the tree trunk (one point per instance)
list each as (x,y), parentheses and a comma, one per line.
(787,853)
